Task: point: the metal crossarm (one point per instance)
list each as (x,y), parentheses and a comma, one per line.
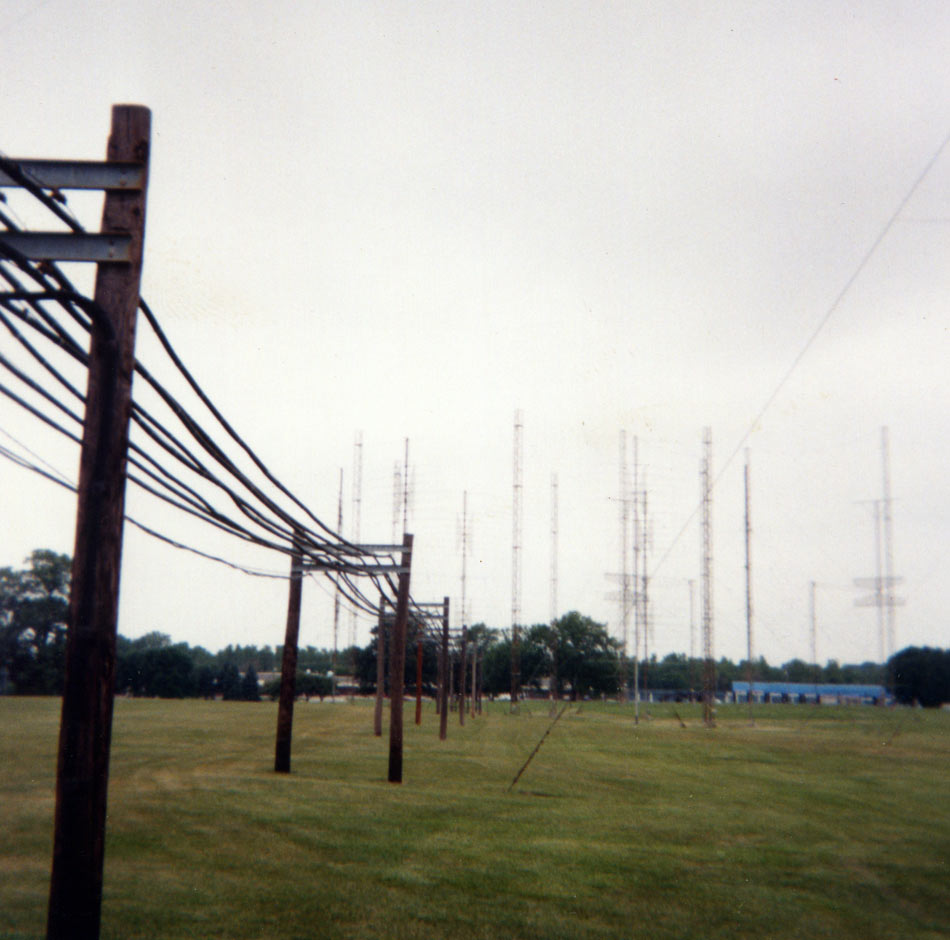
(76,174)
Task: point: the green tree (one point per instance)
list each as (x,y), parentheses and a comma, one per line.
(920,674)
(229,682)
(250,689)
(34,602)
(205,681)
(156,671)
(496,666)
(587,655)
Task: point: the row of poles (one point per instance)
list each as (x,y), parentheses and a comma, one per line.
(75,899)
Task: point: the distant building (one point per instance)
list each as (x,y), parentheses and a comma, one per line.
(824,693)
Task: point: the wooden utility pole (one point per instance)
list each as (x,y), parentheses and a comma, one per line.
(446,669)
(397,663)
(748,582)
(419,677)
(380,669)
(474,694)
(709,665)
(336,593)
(288,669)
(463,666)
(82,772)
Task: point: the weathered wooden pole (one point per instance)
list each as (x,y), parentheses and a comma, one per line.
(288,667)
(82,772)
(463,666)
(380,669)
(419,680)
(472,703)
(439,678)
(446,668)
(397,663)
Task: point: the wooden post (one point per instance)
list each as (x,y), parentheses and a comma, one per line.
(380,669)
(440,678)
(288,668)
(474,677)
(397,664)
(419,680)
(481,680)
(82,773)
(446,669)
(463,665)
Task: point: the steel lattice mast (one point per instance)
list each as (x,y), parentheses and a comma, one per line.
(709,665)
(517,523)
(624,598)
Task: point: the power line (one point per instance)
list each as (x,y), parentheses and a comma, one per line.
(810,341)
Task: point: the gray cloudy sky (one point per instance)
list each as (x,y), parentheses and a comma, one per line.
(408,220)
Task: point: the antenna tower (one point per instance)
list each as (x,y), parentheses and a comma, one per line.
(554,528)
(890,601)
(885,581)
(637,593)
(405,489)
(397,498)
(644,577)
(748,581)
(813,621)
(624,570)
(554,521)
(464,553)
(336,593)
(357,501)
(517,520)
(709,666)
(692,635)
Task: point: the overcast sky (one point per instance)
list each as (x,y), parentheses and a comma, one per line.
(409,220)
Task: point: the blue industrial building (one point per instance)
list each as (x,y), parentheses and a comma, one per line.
(825,693)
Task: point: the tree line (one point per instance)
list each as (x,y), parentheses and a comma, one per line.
(575,649)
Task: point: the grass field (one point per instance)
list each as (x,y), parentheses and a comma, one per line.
(811,823)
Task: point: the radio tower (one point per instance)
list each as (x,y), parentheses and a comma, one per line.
(637,593)
(517,516)
(709,665)
(554,521)
(336,593)
(812,623)
(890,601)
(397,499)
(884,582)
(624,570)
(357,500)
(405,489)
(748,581)
(644,584)
(464,553)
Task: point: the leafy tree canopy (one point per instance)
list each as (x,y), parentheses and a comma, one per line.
(34,602)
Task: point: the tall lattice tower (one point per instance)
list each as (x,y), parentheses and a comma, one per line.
(336,593)
(890,582)
(405,489)
(357,498)
(638,592)
(884,581)
(554,537)
(709,664)
(748,579)
(464,609)
(624,594)
(516,528)
(397,499)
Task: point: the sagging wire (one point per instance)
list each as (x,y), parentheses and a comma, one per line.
(72,302)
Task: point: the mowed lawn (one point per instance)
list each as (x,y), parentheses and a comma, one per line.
(809,823)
